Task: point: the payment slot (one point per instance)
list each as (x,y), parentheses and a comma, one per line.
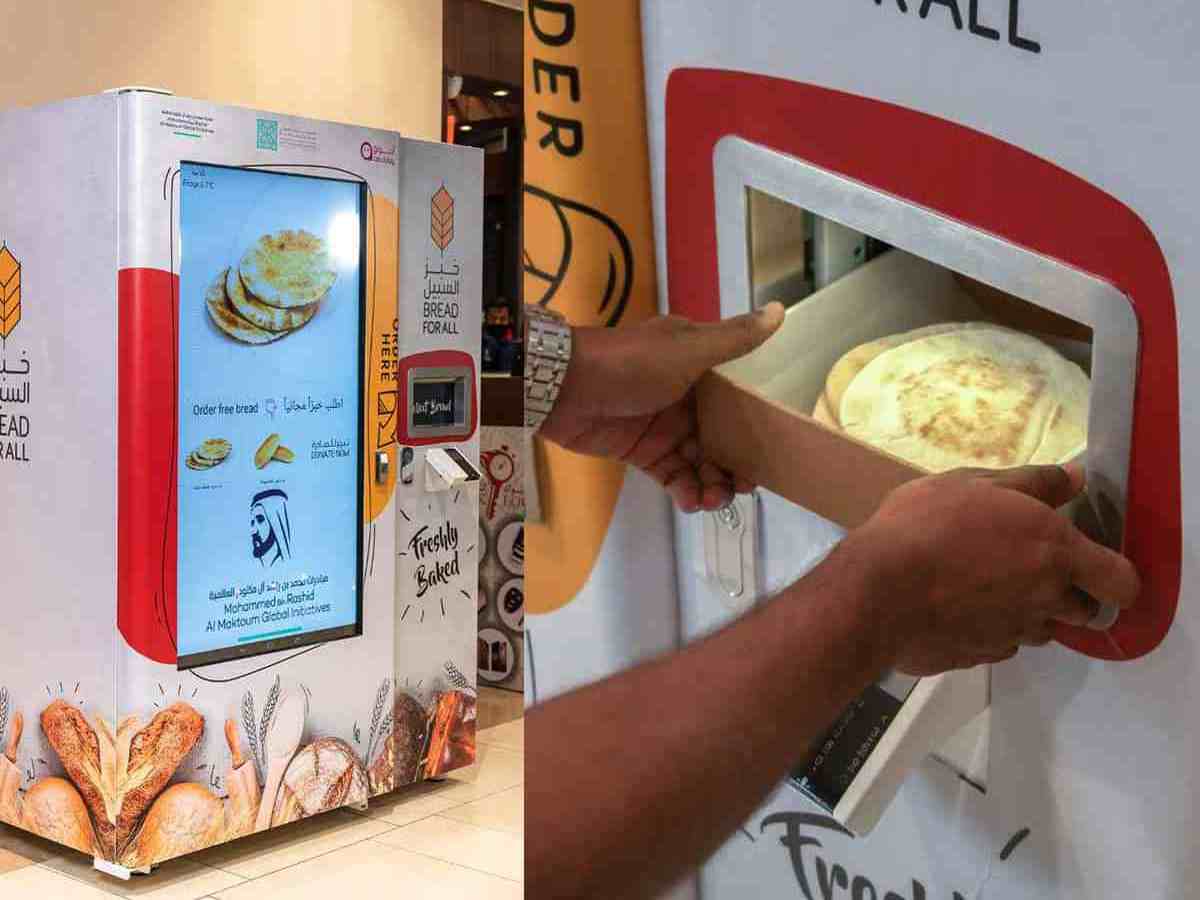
(877,290)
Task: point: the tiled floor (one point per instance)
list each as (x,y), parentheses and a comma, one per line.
(462,838)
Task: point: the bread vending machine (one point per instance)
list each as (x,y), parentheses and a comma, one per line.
(981,217)
(237,417)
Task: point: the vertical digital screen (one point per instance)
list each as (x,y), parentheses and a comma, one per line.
(271,331)
(437,403)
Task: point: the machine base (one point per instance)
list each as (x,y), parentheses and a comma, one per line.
(117,871)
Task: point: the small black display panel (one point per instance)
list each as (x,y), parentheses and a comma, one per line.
(436,404)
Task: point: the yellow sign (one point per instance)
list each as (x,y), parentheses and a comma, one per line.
(589,243)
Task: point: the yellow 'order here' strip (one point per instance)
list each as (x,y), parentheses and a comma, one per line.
(589,245)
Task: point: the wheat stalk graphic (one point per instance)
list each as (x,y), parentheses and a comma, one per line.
(441,219)
(10,292)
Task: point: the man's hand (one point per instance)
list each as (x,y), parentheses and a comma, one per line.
(960,569)
(628,395)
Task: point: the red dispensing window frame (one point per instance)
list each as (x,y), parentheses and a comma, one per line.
(984,183)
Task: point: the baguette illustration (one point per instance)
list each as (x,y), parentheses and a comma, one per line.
(10,775)
(266,451)
(452,734)
(119,775)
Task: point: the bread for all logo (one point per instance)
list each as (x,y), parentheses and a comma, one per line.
(10,292)
(441,219)
(443,285)
(14,373)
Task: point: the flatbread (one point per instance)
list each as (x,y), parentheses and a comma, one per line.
(215,449)
(981,396)
(228,321)
(200,464)
(270,318)
(288,269)
(847,368)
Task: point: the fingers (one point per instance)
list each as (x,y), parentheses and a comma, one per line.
(711,344)
(1101,572)
(1052,485)
(1077,608)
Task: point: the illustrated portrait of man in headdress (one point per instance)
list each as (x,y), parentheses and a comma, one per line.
(270,527)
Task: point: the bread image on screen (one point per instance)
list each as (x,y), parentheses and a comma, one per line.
(955,395)
(271,450)
(288,269)
(275,289)
(209,454)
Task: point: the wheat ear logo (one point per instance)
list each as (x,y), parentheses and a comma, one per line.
(441,219)
(10,291)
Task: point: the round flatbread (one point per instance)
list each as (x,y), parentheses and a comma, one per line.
(270,318)
(288,269)
(983,396)
(215,449)
(228,321)
(847,368)
(200,464)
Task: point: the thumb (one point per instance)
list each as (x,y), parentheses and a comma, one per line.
(1053,485)
(713,343)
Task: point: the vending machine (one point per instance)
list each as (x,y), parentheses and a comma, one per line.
(239,467)
(894,172)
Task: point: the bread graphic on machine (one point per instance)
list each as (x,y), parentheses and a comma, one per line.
(274,290)
(119,773)
(960,395)
(53,809)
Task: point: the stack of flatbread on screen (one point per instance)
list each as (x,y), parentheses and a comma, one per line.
(274,290)
(964,394)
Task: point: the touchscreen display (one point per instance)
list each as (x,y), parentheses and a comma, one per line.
(271,301)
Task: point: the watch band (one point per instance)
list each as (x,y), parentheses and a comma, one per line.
(547,355)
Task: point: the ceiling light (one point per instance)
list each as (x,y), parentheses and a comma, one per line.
(464,127)
(500,92)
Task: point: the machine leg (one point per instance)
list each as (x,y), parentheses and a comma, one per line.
(116,870)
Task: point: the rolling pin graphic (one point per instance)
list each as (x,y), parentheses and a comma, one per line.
(10,775)
(242,782)
(283,740)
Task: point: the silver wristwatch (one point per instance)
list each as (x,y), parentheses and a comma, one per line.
(547,355)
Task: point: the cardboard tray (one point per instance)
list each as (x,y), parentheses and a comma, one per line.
(755,412)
